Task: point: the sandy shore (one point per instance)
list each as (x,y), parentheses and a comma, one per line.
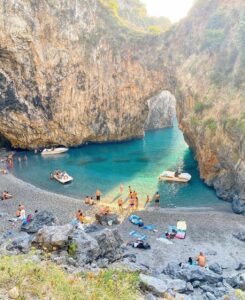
(208,230)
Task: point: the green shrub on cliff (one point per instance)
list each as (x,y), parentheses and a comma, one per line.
(48,281)
(211,124)
(154,29)
(213,39)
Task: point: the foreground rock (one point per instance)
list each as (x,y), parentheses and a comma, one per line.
(238,207)
(240,235)
(237,281)
(192,273)
(54,236)
(105,220)
(15,243)
(39,220)
(154,285)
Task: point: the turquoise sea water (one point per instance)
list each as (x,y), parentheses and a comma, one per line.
(136,163)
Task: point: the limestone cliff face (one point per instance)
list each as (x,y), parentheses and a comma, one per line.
(70,72)
(208,52)
(161,111)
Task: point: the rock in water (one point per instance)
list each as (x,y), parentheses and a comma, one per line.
(54,236)
(238,206)
(154,285)
(39,220)
(105,220)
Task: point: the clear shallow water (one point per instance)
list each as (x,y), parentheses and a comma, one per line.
(136,163)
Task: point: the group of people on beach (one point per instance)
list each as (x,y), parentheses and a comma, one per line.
(6,195)
(133,199)
(199,261)
(90,199)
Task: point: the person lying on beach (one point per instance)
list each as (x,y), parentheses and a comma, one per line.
(201,260)
(6,195)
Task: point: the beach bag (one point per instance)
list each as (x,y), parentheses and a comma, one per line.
(136,220)
(141,245)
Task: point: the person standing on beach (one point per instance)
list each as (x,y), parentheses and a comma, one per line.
(136,200)
(157,199)
(121,188)
(98,194)
(147,200)
(120,205)
(129,190)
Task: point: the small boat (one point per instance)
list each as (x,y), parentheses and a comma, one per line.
(61,177)
(51,151)
(171,176)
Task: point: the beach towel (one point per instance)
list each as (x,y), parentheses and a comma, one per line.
(138,235)
(165,241)
(181,225)
(149,227)
(136,220)
(181,230)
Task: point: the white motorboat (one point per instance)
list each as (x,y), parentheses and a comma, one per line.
(51,151)
(61,177)
(172,176)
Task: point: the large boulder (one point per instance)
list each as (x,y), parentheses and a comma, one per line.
(216,268)
(192,273)
(152,284)
(19,242)
(86,248)
(103,246)
(237,281)
(110,243)
(105,220)
(39,220)
(240,235)
(54,236)
(238,206)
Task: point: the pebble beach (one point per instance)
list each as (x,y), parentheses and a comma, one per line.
(208,230)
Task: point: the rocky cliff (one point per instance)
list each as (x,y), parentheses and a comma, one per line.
(209,56)
(74,71)
(162,111)
(83,70)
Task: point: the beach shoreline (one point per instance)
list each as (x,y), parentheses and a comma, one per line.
(208,230)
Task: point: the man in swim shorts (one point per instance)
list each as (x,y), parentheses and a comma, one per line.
(98,194)
(157,199)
